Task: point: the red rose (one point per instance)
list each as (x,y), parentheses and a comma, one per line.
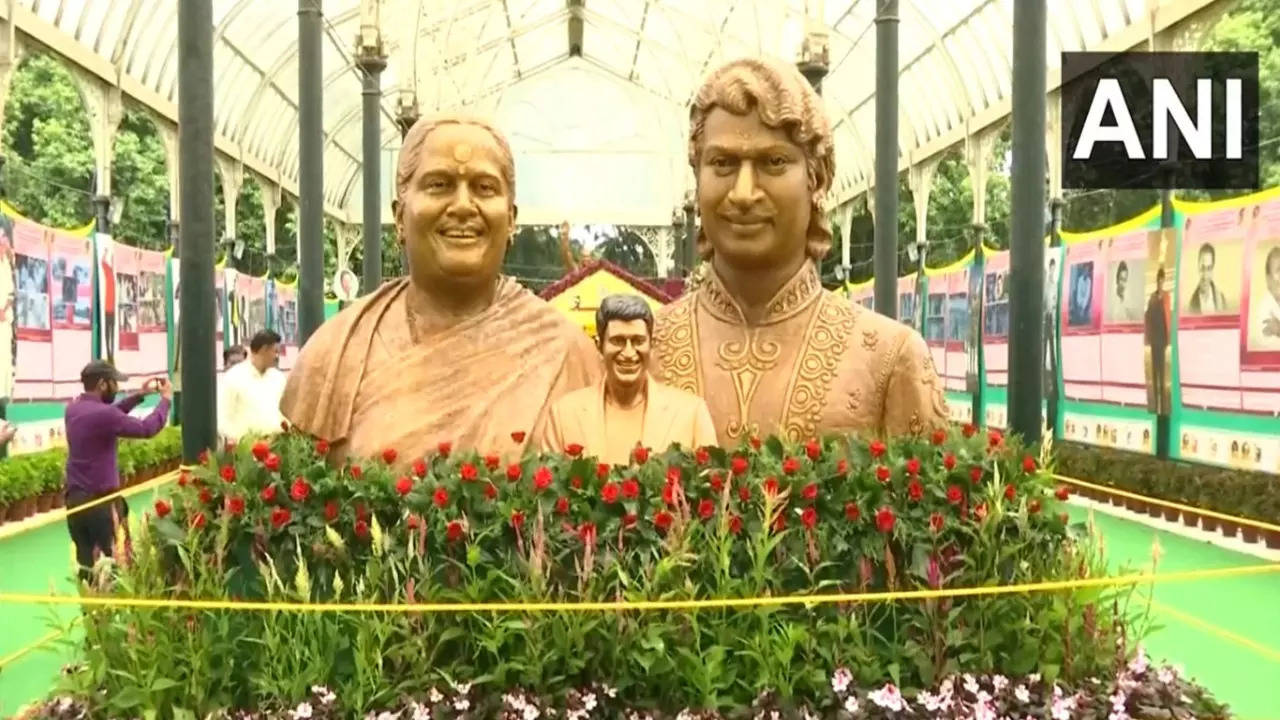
(602,470)
(970,430)
(513,472)
(197,520)
(935,522)
(706,509)
(811,491)
(517,519)
(1009,493)
(203,457)
(573,449)
(701,456)
(1063,492)
(331,511)
(413,522)
(629,520)
(205,496)
(444,449)
(361,513)
(261,450)
(268,494)
(735,524)
(915,490)
(980,512)
(630,489)
(842,467)
(780,523)
(770,486)
(716,482)
(300,490)
(362,529)
(562,506)
(420,468)
(1028,464)
(809,517)
(587,531)
(790,466)
(813,450)
(954,494)
(640,455)
(669,493)
(975,474)
(744,493)
(404,486)
(356,472)
(235,506)
(575,482)
(468,472)
(230,447)
(609,493)
(673,475)
(876,448)
(183,478)
(885,520)
(280,517)
(228,473)
(272,462)
(389,455)
(755,442)
(949,461)
(1033,507)
(851,512)
(994,438)
(883,474)
(163,508)
(518,436)
(440,498)
(322,447)
(913,466)
(738,466)
(490,490)
(492,462)
(453,531)
(541,478)
(662,519)
(939,436)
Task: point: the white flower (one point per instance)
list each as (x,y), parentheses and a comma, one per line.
(984,711)
(434,696)
(1118,700)
(1000,682)
(589,702)
(1168,674)
(464,688)
(531,712)
(970,684)
(420,712)
(935,703)
(1139,664)
(851,704)
(1062,707)
(611,691)
(1022,694)
(301,712)
(324,694)
(461,704)
(388,716)
(1034,678)
(889,698)
(840,680)
(1118,715)
(947,689)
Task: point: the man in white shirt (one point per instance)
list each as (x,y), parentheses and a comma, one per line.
(249,402)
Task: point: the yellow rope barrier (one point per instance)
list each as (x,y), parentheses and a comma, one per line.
(1166,503)
(640,605)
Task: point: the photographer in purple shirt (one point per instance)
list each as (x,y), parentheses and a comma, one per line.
(94,426)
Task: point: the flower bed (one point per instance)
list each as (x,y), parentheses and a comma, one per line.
(274,522)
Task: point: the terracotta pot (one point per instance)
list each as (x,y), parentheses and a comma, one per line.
(1155,511)
(1135,505)
(1170,514)
(1116,500)
(1209,523)
(28,507)
(14,512)
(4,513)
(1273,539)
(44,502)
(1249,533)
(60,499)
(1190,519)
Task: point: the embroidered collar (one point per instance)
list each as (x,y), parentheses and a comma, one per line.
(794,296)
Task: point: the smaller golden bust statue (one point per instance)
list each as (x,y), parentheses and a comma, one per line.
(760,339)
(456,352)
(629,407)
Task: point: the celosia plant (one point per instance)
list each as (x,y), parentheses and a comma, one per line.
(270,520)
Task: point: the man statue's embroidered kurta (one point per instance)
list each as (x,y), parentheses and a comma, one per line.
(816,363)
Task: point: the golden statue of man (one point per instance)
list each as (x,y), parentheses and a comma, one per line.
(769,348)
(455,352)
(629,407)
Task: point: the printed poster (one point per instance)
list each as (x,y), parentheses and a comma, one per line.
(1260,312)
(286,323)
(863,294)
(1131,435)
(250,310)
(8,305)
(908,305)
(1082,321)
(995,318)
(72,284)
(32,312)
(126,267)
(141,339)
(217,310)
(1052,297)
(1158,321)
(946,324)
(106,280)
(1241,450)
(1122,336)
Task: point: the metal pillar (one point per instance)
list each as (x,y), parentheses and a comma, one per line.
(1026,257)
(677,244)
(406,111)
(195,198)
(690,235)
(1163,432)
(310,170)
(975,326)
(102,213)
(1050,324)
(886,207)
(372,63)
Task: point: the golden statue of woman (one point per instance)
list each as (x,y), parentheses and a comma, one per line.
(455,352)
(769,348)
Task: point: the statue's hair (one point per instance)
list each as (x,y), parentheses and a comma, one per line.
(621,307)
(785,101)
(411,152)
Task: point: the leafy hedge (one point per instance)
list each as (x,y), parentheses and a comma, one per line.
(274,521)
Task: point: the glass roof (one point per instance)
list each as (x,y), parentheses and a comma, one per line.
(954,54)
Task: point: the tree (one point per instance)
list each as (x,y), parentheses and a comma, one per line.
(629,251)
(49,149)
(139,176)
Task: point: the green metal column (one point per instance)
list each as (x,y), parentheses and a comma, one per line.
(886,211)
(372,63)
(1050,324)
(310,170)
(195,199)
(1026,256)
(1163,431)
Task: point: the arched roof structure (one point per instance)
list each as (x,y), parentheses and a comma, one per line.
(511,58)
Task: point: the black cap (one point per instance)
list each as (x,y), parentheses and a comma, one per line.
(101,370)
